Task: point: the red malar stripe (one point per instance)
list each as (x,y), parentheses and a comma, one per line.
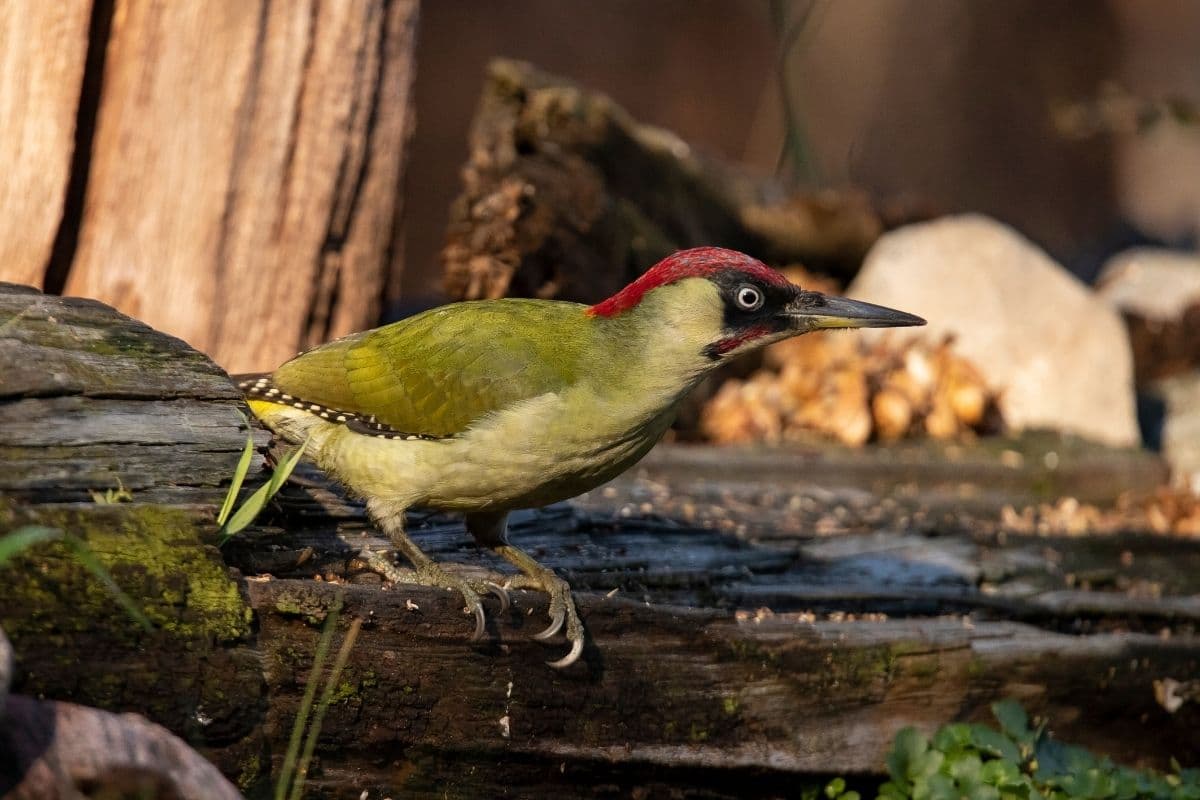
(742,337)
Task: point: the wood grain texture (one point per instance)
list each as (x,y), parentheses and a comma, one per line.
(688,696)
(245,178)
(92,398)
(565,195)
(43,47)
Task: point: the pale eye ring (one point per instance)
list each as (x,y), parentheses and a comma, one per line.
(748,298)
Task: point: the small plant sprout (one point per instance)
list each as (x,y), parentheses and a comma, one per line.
(232,522)
(110,497)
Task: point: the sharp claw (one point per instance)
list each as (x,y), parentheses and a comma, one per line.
(480,621)
(556,624)
(571,657)
(501,593)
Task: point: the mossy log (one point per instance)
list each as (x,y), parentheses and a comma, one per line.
(688,683)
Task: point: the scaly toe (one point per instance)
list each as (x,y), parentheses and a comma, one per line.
(501,594)
(430,574)
(382,566)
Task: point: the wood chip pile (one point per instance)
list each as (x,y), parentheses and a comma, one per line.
(1169,511)
(844,386)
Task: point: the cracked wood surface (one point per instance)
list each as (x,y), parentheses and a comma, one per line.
(237,169)
(42,51)
(748,643)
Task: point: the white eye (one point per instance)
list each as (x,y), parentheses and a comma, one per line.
(749,298)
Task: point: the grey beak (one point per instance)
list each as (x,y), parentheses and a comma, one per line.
(814,311)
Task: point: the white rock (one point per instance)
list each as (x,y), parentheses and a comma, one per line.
(1058,353)
(1152,283)
(1181,427)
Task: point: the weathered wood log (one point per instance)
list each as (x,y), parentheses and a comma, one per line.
(91,400)
(42,51)
(679,693)
(60,751)
(688,682)
(238,171)
(566,196)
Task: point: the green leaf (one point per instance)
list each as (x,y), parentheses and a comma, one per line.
(284,471)
(982,792)
(23,538)
(998,772)
(1013,719)
(952,738)
(907,748)
(256,502)
(935,787)
(834,788)
(239,476)
(994,743)
(965,769)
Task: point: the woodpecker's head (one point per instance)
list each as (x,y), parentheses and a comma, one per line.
(725,303)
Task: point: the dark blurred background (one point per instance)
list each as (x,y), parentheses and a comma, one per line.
(1072,121)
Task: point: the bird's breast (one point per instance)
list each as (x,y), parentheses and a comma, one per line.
(541,451)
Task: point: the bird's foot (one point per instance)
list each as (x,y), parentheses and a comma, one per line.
(562,610)
(431,574)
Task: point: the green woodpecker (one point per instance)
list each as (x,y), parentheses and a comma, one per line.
(493,405)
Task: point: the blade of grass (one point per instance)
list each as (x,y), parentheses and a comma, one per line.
(256,502)
(239,476)
(24,538)
(314,728)
(287,771)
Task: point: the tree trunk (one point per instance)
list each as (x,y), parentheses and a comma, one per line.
(239,171)
(42,51)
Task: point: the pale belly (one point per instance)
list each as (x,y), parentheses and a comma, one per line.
(526,457)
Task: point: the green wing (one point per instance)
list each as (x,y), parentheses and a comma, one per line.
(436,373)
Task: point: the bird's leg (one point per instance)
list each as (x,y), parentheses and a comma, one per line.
(428,572)
(491,530)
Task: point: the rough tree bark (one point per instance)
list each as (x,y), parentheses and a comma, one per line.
(565,195)
(688,683)
(242,187)
(42,51)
